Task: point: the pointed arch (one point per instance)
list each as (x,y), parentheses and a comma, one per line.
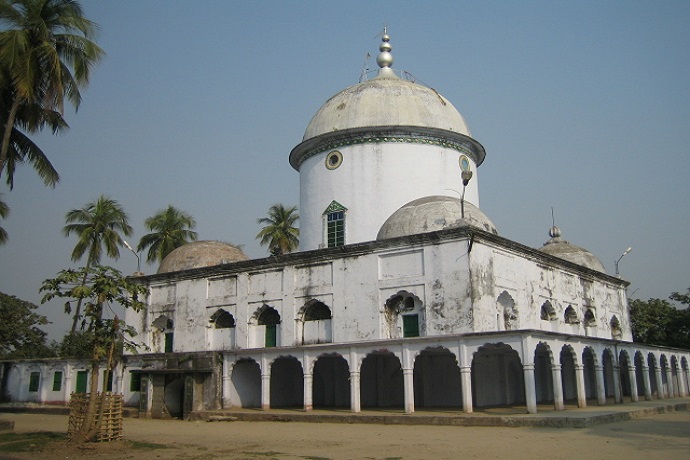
(403,316)
(508,310)
(570,316)
(548,313)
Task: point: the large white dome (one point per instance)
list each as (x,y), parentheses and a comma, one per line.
(386,101)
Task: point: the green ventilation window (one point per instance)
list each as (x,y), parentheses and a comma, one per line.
(335,224)
(410,325)
(57,381)
(34,381)
(168,342)
(271,336)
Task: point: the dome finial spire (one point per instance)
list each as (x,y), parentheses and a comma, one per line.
(385,58)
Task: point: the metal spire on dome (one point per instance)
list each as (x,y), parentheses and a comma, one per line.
(385,58)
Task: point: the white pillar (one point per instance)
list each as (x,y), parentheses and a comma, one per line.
(355,390)
(601,388)
(647,383)
(659,383)
(265,383)
(466,383)
(580,384)
(308,380)
(530,391)
(617,396)
(633,383)
(558,403)
(669,380)
(408,383)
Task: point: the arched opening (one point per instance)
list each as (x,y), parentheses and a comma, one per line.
(162,338)
(437,379)
(588,363)
(653,382)
(222,330)
(609,380)
(173,395)
(268,322)
(570,316)
(568,376)
(616,331)
(639,373)
(590,318)
(548,313)
(246,384)
(331,382)
(316,323)
(508,311)
(381,380)
(287,383)
(543,377)
(403,316)
(624,371)
(497,376)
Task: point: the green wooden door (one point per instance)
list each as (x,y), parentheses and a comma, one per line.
(82,378)
(410,325)
(271,335)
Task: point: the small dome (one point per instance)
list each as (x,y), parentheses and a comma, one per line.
(433,213)
(559,247)
(201,254)
(384,102)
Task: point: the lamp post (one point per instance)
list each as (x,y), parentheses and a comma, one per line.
(135,253)
(466,176)
(619,259)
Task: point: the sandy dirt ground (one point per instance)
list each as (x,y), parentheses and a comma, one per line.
(664,436)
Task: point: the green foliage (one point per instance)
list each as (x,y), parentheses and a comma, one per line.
(46,53)
(100,288)
(658,322)
(20,335)
(35,441)
(279,233)
(4,212)
(171,228)
(76,345)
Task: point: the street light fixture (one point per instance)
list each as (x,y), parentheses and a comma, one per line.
(466,176)
(619,259)
(135,253)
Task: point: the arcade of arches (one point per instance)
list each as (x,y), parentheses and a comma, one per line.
(497,369)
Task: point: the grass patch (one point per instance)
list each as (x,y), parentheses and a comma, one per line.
(264,454)
(316,458)
(28,442)
(146,445)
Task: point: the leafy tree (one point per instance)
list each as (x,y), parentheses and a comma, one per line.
(46,55)
(279,233)
(101,287)
(171,228)
(20,335)
(4,212)
(658,322)
(76,345)
(98,225)
(681,298)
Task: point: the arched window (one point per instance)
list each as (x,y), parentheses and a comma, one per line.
(269,318)
(616,331)
(317,311)
(222,320)
(571,316)
(407,307)
(507,305)
(335,224)
(165,325)
(547,312)
(590,318)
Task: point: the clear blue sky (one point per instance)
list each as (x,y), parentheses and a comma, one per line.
(583,106)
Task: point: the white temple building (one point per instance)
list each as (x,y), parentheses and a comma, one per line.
(403,293)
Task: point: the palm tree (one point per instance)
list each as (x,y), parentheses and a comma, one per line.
(98,225)
(46,54)
(31,118)
(279,234)
(171,229)
(4,212)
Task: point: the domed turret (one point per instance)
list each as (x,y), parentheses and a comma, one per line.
(559,247)
(201,254)
(375,146)
(433,213)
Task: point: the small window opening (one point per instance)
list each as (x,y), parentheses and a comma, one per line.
(34,381)
(222,320)
(571,316)
(57,381)
(317,311)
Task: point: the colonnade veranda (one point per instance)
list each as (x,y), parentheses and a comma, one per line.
(616,366)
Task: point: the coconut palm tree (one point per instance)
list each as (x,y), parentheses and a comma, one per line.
(4,212)
(98,226)
(31,118)
(171,228)
(279,234)
(46,54)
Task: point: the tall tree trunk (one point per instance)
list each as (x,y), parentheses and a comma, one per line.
(86,428)
(108,369)
(79,302)
(9,126)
